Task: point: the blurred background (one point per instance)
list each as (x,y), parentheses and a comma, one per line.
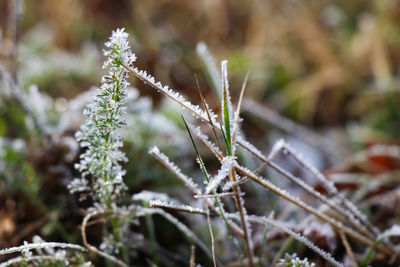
(322,74)
(321,63)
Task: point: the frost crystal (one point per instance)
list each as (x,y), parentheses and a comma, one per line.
(227,163)
(105,116)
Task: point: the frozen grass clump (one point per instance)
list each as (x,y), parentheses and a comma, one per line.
(226,186)
(219,200)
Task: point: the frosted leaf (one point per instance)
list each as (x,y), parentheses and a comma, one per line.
(276,148)
(226,99)
(227,164)
(329,185)
(78,185)
(204,138)
(195,110)
(331,203)
(211,66)
(29,246)
(251,148)
(149,195)
(229,185)
(221,195)
(175,169)
(170,205)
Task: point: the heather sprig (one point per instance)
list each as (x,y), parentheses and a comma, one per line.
(105,116)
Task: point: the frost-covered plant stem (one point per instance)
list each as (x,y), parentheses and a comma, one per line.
(105,117)
(227,115)
(100,134)
(39,246)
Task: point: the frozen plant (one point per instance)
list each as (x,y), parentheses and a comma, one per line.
(105,116)
(41,252)
(101,161)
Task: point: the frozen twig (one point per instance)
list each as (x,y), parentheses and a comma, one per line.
(31,246)
(169,205)
(92,248)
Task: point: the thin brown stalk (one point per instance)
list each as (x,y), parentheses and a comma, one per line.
(243,221)
(92,248)
(206,142)
(348,248)
(282,250)
(209,117)
(236,122)
(212,237)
